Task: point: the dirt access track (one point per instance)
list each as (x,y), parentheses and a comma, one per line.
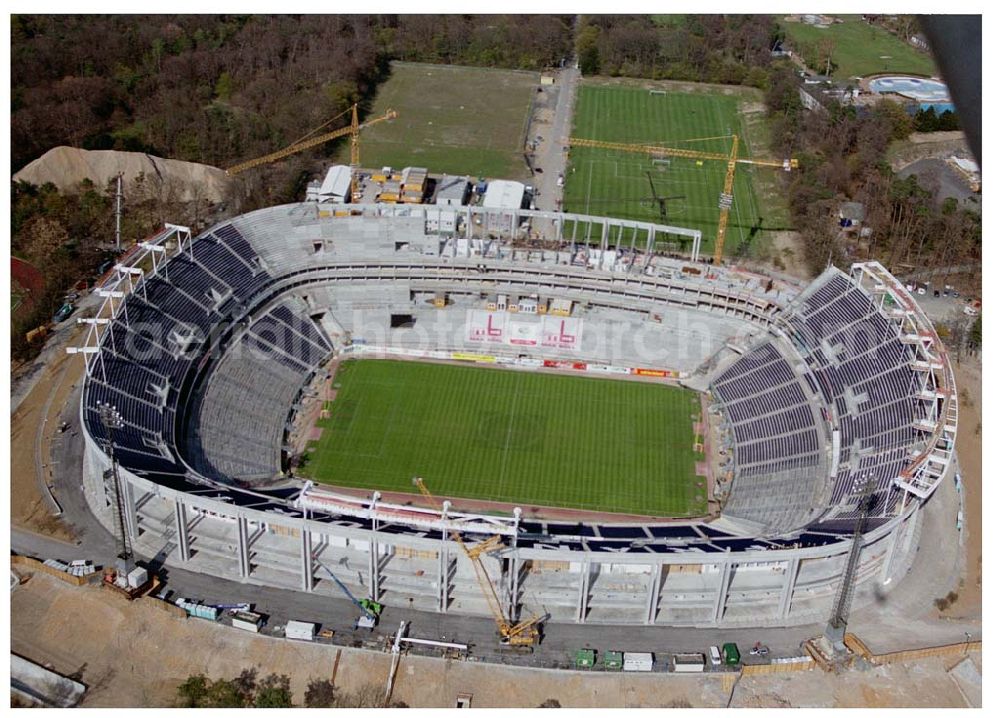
(32,428)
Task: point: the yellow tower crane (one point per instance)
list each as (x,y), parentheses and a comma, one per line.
(305,142)
(523,634)
(732,159)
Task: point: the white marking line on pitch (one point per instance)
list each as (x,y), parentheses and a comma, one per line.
(510,429)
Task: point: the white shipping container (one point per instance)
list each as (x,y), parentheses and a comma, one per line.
(247,622)
(300,630)
(689,663)
(137,577)
(637,662)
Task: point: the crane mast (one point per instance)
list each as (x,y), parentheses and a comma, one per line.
(524,633)
(731,159)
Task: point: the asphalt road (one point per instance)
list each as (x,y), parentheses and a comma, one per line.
(559,642)
(550,156)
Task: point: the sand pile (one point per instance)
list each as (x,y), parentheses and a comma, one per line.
(66,167)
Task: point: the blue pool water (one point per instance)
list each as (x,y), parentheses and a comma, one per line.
(921,89)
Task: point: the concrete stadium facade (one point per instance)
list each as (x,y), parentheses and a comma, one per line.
(289,533)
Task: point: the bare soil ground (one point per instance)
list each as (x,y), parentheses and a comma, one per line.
(135,654)
(32,427)
(920,146)
(66,167)
(923,683)
(968,376)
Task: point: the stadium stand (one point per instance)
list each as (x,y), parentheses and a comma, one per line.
(243,409)
(865,373)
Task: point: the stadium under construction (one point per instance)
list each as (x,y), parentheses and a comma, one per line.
(819,398)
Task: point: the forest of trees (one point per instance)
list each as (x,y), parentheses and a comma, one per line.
(218,89)
(274,691)
(728,49)
(930,121)
(66,235)
(842,155)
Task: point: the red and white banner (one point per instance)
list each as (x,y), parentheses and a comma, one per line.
(561,332)
(563,364)
(523,332)
(486,327)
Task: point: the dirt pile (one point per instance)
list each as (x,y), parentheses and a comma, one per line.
(66,167)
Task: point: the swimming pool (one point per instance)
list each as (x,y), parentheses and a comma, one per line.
(920,89)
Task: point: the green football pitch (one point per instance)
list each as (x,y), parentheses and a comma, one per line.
(621,184)
(511,436)
(452,119)
(859,49)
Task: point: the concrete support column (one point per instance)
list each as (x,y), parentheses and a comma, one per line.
(307,560)
(582,597)
(444,577)
(604,237)
(791,574)
(559,230)
(696,248)
(373,577)
(180,519)
(725,569)
(653,597)
(243,546)
(468,222)
(907,532)
(650,236)
(513,583)
(128,507)
(890,554)
(373,567)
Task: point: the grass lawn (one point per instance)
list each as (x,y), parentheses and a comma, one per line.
(459,120)
(617,184)
(860,49)
(512,436)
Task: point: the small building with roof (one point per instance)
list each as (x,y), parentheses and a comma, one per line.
(452,191)
(335,187)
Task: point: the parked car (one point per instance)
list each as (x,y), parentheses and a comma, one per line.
(759,650)
(714,655)
(64,311)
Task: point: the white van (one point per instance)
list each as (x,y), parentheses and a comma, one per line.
(715,656)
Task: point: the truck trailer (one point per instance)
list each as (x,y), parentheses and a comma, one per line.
(689,663)
(637,662)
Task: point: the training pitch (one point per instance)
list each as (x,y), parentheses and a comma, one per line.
(859,49)
(622,184)
(511,436)
(452,119)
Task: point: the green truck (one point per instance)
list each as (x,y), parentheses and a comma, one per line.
(585,658)
(731,654)
(613,660)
